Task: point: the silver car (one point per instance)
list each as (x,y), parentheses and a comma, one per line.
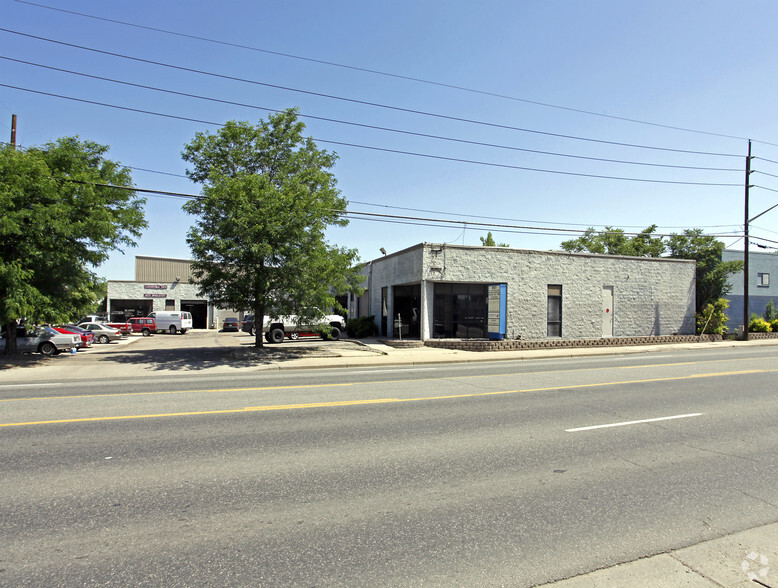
(43,340)
(102,333)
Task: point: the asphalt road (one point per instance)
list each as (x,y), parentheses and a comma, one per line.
(483,474)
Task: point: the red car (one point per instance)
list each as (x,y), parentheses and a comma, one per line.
(144,325)
(87,338)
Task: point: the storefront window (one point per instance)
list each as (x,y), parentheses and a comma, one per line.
(459,311)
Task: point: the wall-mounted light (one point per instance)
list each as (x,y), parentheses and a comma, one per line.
(382,250)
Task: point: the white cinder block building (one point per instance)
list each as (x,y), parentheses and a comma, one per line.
(163,284)
(433,291)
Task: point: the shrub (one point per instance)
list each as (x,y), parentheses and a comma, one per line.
(774,326)
(769,312)
(712,319)
(759,325)
(363,326)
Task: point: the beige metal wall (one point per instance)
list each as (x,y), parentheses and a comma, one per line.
(161,269)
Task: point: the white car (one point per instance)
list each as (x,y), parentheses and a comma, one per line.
(102,333)
(291,326)
(43,340)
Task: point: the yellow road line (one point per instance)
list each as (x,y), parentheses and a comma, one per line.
(368,383)
(363,402)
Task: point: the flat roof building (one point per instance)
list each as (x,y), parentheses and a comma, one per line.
(437,290)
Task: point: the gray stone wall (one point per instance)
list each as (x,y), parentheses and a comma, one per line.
(651,296)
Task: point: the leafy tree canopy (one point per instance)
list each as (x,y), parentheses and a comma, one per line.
(56,224)
(614,241)
(259,241)
(488,241)
(712,274)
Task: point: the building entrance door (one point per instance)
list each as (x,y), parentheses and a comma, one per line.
(406,311)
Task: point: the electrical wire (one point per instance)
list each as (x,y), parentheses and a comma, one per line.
(374,127)
(386,150)
(368,103)
(380,73)
(360,215)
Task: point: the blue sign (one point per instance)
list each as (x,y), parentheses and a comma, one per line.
(496,309)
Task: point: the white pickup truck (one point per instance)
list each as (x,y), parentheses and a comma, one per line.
(290,326)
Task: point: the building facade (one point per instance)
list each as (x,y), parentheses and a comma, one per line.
(442,291)
(762,268)
(163,284)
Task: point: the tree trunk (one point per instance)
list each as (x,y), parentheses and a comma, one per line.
(10,339)
(259,325)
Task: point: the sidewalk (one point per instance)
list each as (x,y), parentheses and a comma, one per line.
(748,559)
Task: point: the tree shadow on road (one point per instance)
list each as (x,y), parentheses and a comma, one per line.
(198,358)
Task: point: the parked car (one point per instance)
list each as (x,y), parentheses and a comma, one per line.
(247,324)
(103,333)
(43,340)
(172,322)
(87,338)
(92,318)
(289,326)
(143,325)
(230,324)
(293,327)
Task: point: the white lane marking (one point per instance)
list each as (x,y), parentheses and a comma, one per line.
(624,424)
(30,385)
(390,371)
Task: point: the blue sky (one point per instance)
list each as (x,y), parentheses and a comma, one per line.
(557,77)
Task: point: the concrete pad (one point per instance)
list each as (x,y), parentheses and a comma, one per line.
(661,571)
(729,559)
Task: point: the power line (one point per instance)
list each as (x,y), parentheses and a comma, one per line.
(395,151)
(381,73)
(359,215)
(368,103)
(374,127)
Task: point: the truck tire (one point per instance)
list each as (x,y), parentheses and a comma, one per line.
(335,334)
(294,335)
(276,335)
(173,330)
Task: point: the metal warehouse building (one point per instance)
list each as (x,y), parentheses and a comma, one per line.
(450,291)
(162,284)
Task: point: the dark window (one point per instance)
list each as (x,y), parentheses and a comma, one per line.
(554,305)
(170,304)
(762,279)
(459,311)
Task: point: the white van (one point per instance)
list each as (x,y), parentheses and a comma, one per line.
(172,322)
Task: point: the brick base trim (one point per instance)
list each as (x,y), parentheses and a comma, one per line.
(511,345)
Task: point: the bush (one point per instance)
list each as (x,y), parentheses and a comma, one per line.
(769,312)
(363,326)
(774,326)
(712,319)
(759,325)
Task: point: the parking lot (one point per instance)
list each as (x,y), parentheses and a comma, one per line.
(195,350)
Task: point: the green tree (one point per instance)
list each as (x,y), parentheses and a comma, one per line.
(59,219)
(259,242)
(713,318)
(712,273)
(488,241)
(613,241)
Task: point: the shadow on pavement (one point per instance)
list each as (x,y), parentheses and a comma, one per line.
(200,358)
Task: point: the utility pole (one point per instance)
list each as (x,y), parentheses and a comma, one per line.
(746,316)
(13,131)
